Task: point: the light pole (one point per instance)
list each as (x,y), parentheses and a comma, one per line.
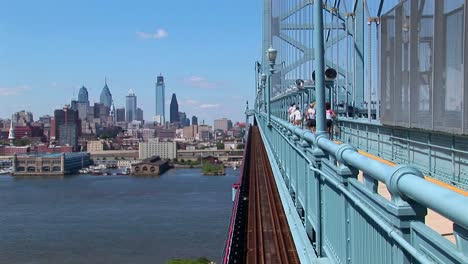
(263,79)
(271,53)
(258,70)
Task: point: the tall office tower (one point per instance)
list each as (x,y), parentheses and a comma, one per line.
(130,107)
(194,120)
(112,113)
(174,109)
(106,96)
(83,95)
(67,126)
(139,114)
(182,117)
(83,103)
(121,114)
(160,114)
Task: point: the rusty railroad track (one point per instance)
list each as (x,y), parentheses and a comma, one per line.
(269,240)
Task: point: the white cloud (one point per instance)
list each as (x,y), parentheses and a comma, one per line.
(191,101)
(159,34)
(200,82)
(10,91)
(209,106)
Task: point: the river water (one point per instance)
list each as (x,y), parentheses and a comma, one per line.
(115,219)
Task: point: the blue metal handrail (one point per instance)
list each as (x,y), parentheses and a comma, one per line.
(405,182)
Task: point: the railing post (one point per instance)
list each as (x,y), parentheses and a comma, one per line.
(461,238)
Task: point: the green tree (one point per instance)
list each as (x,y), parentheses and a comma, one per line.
(22,142)
(219,145)
(240,146)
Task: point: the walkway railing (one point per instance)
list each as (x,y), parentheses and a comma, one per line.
(346,220)
(438,155)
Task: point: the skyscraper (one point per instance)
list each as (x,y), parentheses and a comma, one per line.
(121,114)
(194,120)
(67,126)
(139,114)
(83,95)
(174,109)
(106,96)
(160,114)
(131,106)
(83,103)
(182,117)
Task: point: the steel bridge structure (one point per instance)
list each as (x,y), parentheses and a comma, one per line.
(387,181)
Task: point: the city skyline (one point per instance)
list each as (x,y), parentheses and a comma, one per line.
(51,51)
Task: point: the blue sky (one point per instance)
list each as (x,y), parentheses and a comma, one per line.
(205,49)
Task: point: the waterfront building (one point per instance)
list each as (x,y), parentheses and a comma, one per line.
(151,166)
(106,96)
(160,113)
(57,164)
(194,120)
(13,150)
(22,118)
(43,148)
(120,113)
(94,145)
(131,106)
(223,124)
(174,110)
(126,163)
(139,114)
(155,147)
(110,158)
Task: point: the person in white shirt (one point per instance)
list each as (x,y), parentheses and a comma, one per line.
(310,117)
(297,116)
(329,115)
(291,110)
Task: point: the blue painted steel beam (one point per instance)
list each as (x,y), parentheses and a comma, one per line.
(359,54)
(319,64)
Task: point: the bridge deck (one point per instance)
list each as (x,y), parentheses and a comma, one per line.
(269,239)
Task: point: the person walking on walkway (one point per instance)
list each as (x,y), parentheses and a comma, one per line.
(297,116)
(330,115)
(310,117)
(291,110)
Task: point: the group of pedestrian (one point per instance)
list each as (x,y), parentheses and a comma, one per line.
(309,118)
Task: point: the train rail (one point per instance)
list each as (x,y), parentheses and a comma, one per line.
(269,239)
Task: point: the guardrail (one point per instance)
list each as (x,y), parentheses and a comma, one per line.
(346,220)
(438,155)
